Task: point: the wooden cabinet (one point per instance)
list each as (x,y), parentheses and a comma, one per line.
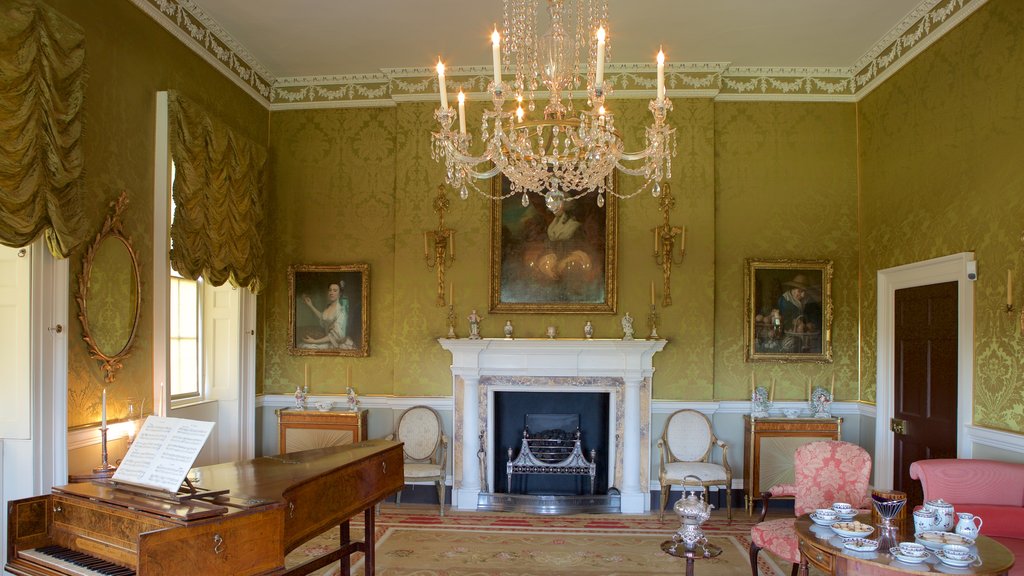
(308,429)
(769,445)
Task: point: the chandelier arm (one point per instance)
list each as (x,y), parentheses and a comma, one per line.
(632,156)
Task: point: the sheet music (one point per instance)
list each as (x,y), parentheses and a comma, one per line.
(163,453)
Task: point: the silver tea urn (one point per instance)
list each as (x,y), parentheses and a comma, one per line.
(693,511)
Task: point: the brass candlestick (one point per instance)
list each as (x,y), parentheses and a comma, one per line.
(443,242)
(665,235)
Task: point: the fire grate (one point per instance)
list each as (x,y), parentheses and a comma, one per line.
(553,451)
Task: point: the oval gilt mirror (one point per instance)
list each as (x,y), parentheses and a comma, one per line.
(109,294)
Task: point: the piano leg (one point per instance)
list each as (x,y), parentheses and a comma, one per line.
(369,540)
(345,540)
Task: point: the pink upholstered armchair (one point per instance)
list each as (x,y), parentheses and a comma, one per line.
(987,488)
(826,472)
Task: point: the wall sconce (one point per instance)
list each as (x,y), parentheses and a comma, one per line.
(664,244)
(443,242)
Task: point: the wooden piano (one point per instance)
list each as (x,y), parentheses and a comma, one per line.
(272,505)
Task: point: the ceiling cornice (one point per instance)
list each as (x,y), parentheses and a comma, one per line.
(928,22)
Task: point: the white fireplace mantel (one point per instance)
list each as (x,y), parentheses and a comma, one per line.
(628,360)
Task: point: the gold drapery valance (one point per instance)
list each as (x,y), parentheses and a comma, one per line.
(42,86)
(218,196)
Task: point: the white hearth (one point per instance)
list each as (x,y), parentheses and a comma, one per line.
(621,368)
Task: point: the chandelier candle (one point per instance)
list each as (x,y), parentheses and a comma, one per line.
(599,72)
(441,86)
(661,76)
(495,56)
(462,112)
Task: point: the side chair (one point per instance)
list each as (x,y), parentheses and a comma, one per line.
(685,448)
(425,449)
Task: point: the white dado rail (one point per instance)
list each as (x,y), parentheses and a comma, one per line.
(558,361)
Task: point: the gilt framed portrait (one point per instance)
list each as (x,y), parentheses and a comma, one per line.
(329,310)
(552,257)
(788,311)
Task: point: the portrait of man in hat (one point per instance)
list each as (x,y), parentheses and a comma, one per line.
(788,300)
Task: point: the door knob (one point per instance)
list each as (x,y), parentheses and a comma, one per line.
(898,426)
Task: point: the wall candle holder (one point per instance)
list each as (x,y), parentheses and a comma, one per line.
(664,244)
(443,242)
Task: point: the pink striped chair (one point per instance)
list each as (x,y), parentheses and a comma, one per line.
(826,472)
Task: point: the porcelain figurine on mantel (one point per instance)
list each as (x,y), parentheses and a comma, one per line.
(588,330)
(508,330)
(474,325)
(760,405)
(627,327)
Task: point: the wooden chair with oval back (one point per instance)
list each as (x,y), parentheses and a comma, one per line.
(426,449)
(685,446)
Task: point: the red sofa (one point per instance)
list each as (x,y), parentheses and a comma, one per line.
(987,488)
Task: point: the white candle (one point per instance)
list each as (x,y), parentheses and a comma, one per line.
(349,377)
(682,241)
(462,112)
(305,377)
(752,385)
(496,55)
(599,78)
(832,390)
(661,75)
(771,395)
(440,84)
(451,293)
(652,292)
(103,411)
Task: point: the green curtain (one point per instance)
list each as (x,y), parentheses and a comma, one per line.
(42,86)
(218,197)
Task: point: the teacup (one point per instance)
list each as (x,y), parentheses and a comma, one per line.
(956,551)
(324,406)
(826,514)
(912,549)
(924,520)
(843,508)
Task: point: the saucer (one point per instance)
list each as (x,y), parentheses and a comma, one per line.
(848,516)
(907,559)
(860,544)
(852,529)
(956,563)
(821,521)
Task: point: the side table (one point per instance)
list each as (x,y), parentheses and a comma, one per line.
(680,551)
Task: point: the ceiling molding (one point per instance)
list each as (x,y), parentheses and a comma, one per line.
(928,22)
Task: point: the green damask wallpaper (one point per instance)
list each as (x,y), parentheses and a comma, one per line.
(787,188)
(941,149)
(126,70)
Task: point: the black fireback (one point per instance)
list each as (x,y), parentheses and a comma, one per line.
(510,410)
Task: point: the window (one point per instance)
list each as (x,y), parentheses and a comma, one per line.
(185,344)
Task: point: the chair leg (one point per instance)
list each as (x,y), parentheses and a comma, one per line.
(754,549)
(440,495)
(665,489)
(728,501)
(398,498)
(796,569)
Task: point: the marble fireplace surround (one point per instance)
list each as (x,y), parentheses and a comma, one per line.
(622,368)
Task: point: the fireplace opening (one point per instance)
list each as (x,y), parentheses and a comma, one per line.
(553,415)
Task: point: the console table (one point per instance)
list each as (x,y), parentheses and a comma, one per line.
(308,429)
(769,445)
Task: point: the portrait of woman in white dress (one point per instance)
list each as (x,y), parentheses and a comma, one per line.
(329,306)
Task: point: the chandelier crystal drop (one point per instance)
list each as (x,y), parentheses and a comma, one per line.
(557,151)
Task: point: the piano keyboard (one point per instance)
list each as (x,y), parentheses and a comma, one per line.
(72,562)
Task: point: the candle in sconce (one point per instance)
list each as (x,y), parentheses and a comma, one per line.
(462,112)
(661,75)
(655,239)
(682,241)
(652,292)
(599,72)
(426,246)
(451,243)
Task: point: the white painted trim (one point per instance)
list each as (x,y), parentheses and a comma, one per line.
(161,258)
(758,97)
(1001,439)
(951,268)
(375,103)
(247,375)
(199,49)
(50,296)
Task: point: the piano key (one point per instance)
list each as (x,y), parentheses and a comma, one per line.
(73,562)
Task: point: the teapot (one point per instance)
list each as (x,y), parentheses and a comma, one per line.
(943,513)
(692,511)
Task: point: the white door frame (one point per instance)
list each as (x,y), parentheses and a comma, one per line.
(951,268)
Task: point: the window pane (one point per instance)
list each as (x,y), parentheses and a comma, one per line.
(184,338)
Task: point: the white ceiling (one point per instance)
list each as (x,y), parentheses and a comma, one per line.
(302,38)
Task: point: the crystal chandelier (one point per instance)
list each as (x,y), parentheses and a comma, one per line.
(558,152)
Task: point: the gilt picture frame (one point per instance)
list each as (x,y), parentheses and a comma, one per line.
(552,262)
(329,310)
(788,312)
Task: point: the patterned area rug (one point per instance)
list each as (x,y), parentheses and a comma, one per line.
(411,543)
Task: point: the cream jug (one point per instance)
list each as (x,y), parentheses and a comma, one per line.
(924,520)
(943,513)
(967,527)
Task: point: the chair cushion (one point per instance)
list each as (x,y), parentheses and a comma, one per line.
(414,470)
(831,471)
(707,472)
(778,537)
